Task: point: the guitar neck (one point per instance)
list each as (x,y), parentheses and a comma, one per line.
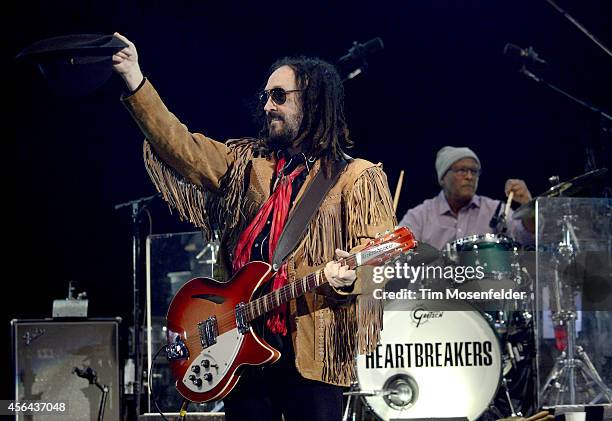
(274,299)
(377,253)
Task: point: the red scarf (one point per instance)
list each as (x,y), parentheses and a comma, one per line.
(279,203)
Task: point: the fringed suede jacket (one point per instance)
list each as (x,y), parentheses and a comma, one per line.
(217,185)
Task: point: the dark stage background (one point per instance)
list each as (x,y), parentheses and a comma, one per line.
(441,79)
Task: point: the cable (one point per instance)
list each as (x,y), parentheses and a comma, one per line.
(153,397)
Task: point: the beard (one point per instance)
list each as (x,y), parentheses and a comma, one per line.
(282,130)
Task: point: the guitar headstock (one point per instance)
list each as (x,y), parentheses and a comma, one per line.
(388,247)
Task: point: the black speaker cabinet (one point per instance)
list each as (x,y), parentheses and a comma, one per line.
(45,354)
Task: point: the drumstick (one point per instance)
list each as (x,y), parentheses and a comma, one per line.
(397,190)
(508,202)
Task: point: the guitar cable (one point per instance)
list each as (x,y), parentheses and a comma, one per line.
(153,397)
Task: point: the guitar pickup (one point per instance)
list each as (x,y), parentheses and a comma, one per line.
(241,321)
(209,331)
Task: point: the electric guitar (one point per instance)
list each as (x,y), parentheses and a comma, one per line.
(208,324)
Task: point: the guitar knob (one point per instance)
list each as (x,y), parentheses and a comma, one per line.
(198,382)
(208,377)
(206,364)
(195,369)
(192,378)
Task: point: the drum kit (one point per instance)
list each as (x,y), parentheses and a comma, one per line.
(457,359)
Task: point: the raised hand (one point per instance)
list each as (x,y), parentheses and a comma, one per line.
(125,62)
(521,192)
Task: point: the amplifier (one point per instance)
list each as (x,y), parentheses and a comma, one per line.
(45,355)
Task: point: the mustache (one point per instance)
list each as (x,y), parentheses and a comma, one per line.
(274,115)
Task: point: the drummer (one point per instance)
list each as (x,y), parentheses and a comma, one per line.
(457,211)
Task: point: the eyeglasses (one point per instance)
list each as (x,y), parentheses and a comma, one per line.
(278,95)
(463,171)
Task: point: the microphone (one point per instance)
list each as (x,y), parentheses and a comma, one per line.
(89,374)
(528,55)
(493,223)
(361,50)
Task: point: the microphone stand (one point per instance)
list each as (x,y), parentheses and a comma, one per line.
(604,117)
(91,375)
(579,26)
(138,206)
(524,71)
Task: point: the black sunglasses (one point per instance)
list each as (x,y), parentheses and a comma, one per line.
(278,95)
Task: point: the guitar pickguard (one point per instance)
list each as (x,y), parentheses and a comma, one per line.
(211,365)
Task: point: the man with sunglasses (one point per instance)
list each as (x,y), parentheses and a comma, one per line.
(247,188)
(457,211)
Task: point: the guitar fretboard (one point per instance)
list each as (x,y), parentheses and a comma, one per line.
(274,299)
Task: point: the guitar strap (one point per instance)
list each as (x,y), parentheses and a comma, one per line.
(296,226)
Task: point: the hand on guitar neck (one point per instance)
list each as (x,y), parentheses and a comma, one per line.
(338,274)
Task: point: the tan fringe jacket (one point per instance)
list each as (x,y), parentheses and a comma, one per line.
(204,181)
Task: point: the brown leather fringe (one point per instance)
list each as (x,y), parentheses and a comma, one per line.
(369,323)
(355,329)
(323,236)
(233,184)
(369,204)
(339,362)
(186,198)
(206,210)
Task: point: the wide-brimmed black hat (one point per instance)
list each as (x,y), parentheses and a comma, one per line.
(74,65)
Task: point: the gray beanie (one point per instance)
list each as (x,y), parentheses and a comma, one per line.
(448,155)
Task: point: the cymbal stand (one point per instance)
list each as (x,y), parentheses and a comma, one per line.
(573,361)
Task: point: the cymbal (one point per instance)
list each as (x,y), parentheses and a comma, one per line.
(567,188)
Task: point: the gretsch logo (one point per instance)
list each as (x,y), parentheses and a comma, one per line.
(421,316)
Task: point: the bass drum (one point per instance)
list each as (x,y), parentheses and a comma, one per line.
(436,359)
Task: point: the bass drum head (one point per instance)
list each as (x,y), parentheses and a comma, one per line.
(432,362)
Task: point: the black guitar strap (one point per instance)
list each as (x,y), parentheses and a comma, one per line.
(296,226)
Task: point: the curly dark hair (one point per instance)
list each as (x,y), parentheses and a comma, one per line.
(323,131)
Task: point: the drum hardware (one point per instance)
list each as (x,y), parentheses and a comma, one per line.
(400,392)
(567,188)
(500,259)
(573,361)
(353,393)
(513,413)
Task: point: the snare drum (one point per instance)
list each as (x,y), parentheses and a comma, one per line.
(496,254)
(432,363)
